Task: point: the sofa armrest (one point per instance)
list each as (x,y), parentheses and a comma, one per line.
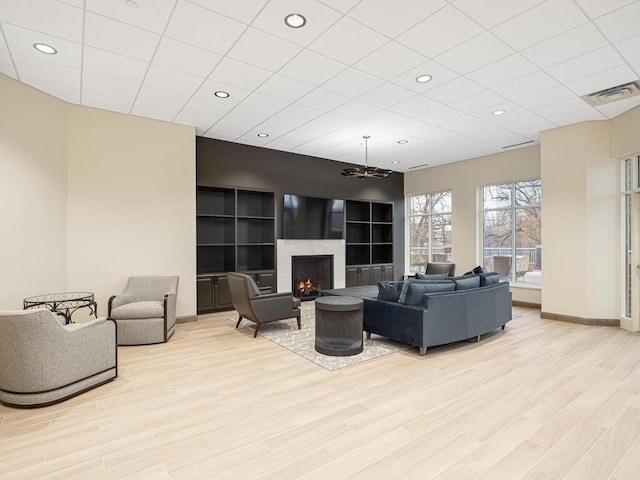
(119,300)
(170,300)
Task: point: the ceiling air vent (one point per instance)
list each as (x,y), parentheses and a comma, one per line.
(613,94)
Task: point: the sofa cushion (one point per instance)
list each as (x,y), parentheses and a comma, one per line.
(412,291)
(147,309)
(431,276)
(489,278)
(467,281)
(389,291)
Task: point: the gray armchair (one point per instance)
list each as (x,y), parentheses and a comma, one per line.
(43,361)
(146,311)
(260,308)
(441,267)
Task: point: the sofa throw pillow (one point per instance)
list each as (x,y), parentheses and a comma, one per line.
(389,291)
(489,278)
(467,282)
(412,291)
(431,276)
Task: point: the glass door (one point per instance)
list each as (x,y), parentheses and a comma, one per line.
(631,242)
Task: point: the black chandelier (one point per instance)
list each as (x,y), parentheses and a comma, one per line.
(366,171)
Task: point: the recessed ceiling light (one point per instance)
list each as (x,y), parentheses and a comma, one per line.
(221,94)
(395,161)
(44,48)
(131,3)
(424,78)
(263,135)
(295,20)
(402,142)
(498,112)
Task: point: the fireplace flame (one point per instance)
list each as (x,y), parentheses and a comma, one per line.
(306,287)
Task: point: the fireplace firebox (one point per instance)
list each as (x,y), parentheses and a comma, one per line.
(310,274)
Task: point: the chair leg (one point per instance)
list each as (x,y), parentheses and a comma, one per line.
(368,335)
(255,334)
(423,350)
(299,322)
(239,320)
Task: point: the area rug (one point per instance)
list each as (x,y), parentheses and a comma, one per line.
(302,342)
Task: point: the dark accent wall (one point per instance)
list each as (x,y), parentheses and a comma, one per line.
(228,164)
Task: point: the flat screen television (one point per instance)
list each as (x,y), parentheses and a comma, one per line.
(311,218)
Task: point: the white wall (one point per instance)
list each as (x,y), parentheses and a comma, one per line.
(131,208)
(465,179)
(33,193)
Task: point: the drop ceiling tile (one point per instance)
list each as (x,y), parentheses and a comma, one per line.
(245,118)
(355,110)
(47,72)
(527,85)
(156,111)
(319,18)
(73,3)
(568,45)
(630,48)
(475,53)
(520,120)
(114,65)
(205,96)
(440,74)
(6,65)
(600,81)
(597,8)
(263,105)
(313,68)
(352,83)
(546,97)
(169,101)
(252,139)
(245,11)
(573,109)
(201,27)
(322,99)
(620,24)
(386,95)
(360,39)
(151,16)
(636,67)
(218,135)
(66,91)
(341,5)
(172,80)
(442,31)
(415,106)
(284,88)
(383,16)
(556,16)
(456,89)
(254,43)
(490,13)
(616,108)
(240,74)
(201,118)
(117,37)
(320,126)
(478,102)
(45,16)
(185,58)
(503,71)
(20,42)
(106,101)
(390,60)
(97,84)
(588,64)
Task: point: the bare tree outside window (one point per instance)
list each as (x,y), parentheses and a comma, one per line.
(511,230)
(430,229)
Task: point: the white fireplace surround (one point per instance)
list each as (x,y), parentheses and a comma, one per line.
(293,248)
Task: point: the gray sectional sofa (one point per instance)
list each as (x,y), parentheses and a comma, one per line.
(431,312)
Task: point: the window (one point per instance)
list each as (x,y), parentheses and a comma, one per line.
(430,229)
(511,224)
(630,189)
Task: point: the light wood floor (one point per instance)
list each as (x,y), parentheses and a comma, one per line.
(542,400)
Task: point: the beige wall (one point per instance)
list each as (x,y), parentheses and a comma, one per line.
(580,212)
(131,203)
(625,134)
(465,179)
(89,197)
(33,193)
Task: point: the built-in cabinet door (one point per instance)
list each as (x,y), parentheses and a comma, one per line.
(205,294)
(358,276)
(264,281)
(221,293)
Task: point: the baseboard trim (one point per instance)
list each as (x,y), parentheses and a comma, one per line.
(595,322)
(518,303)
(187,319)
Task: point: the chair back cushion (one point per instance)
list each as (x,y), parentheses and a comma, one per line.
(146,288)
(441,267)
(243,289)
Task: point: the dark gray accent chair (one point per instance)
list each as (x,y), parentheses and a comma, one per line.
(441,267)
(44,361)
(258,308)
(146,311)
